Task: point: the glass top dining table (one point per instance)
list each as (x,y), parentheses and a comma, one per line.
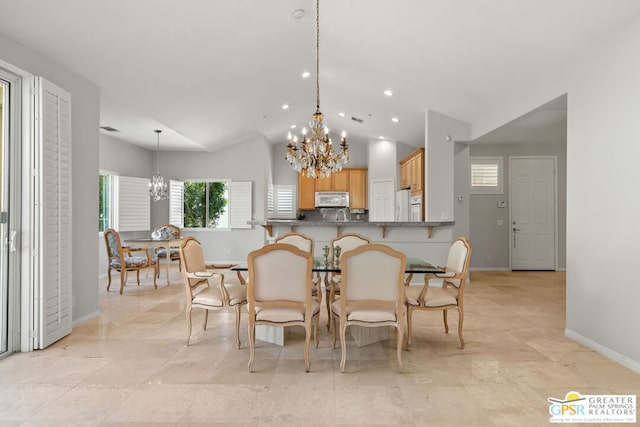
(414,266)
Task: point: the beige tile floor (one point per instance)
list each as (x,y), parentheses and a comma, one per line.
(131,366)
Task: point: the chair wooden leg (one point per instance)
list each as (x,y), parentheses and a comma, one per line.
(138,276)
(316,320)
(460,319)
(333,320)
(446,324)
(123,273)
(307,342)
(206,319)
(238,325)
(156,273)
(252,343)
(409,329)
(109,276)
(343,342)
(327,296)
(188,313)
(400,333)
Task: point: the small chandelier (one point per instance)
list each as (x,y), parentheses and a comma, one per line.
(157,186)
(314,157)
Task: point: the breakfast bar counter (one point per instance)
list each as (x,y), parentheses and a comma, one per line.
(383,225)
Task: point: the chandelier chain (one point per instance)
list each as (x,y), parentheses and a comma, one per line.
(318,55)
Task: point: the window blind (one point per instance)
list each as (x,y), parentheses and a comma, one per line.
(176,203)
(239,204)
(134,210)
(282,202)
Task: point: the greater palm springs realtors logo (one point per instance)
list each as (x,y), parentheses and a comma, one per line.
(605,408)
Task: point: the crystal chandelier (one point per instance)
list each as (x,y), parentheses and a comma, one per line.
(314,156)
(157,186)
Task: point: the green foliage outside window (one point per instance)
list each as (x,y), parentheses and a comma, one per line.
(104,208)
(204,204)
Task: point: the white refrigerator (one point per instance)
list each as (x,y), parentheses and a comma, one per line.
(403,205)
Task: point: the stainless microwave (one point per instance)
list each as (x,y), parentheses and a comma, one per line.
(332,199)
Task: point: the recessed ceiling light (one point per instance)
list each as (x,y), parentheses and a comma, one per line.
(388,92)
(381,137)
(285,106)
(293,126)
(395,119)
(298,14)
(341,114)
(306,74)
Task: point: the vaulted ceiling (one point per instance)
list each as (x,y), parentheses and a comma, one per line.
(213,73)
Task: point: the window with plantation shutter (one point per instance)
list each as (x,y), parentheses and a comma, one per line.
(210,204)
(134,210)
(486,175)
(282,202)
(176,202)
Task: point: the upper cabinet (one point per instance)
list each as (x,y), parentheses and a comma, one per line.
(412,171)
(358,188)
(306,192)
(353,181)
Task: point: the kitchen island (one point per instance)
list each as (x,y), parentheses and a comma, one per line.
(382,225)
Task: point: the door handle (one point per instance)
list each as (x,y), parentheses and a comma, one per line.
(12,241)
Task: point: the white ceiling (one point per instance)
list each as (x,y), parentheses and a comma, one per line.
(213,73)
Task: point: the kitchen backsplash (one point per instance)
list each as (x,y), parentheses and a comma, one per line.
(329,214)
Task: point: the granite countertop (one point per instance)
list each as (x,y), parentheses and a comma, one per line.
(317,223)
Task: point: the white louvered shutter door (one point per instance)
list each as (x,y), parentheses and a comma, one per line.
(54,252)
(239,204)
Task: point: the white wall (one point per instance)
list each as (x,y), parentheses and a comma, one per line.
(439,163)
(461,180)
(84,138)
(603,207)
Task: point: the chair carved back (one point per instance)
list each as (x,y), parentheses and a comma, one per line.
(166,232)
(458,261)
(114,244)
(279,272)
(373,272)
(192,258)
(347,242)
(299,240)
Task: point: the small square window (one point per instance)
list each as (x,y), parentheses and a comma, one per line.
(486,175)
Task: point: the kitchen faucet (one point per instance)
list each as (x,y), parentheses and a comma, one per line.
(344,215)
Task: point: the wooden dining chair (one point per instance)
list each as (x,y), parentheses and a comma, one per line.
(167,232)
(121,259)
(372,293)
(206,289)
(346,242)
(279,292)
(449,296)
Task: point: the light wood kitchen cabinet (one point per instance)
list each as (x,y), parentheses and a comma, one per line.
(306,192)
(324,184)
(358,188)
(351,180)
(412,171)
(340,180)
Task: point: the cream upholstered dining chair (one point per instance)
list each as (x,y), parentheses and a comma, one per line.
(449,296)
(305,243)
(121,259)
(167,232)
(206,289)
(346,242)
(372,293)
(279,292)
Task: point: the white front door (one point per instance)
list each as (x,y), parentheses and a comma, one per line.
(533,213)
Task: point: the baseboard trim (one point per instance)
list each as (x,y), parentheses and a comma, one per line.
(489,269)
(605,351)
(84,319)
